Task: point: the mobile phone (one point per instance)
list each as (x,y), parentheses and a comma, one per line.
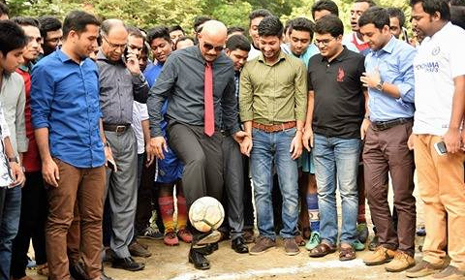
(440,148)
(405,34)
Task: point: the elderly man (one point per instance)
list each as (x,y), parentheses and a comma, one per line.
(199,82)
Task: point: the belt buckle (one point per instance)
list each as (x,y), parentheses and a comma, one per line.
(120,128)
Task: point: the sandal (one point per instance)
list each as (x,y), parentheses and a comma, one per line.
(299,240)
(171,239)
(347,254)
(322,250)
(42,269)
(185,235)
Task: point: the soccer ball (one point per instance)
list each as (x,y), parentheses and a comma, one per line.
(206,213)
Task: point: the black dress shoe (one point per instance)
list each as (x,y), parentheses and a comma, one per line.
(238,245)
(207,250)
(127,264)
(77,272)
(199,261)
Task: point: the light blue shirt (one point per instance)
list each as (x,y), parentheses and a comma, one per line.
(395,64)
(305,57)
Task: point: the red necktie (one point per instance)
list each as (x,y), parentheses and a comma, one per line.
(209,121)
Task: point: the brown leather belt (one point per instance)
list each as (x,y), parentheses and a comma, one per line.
(118,128)
(274,127)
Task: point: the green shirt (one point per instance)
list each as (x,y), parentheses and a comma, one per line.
(273,93)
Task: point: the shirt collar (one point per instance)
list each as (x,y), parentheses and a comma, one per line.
(26,67)
(282,56)
(62,56)
(101,56)
(389,47)
(340,57)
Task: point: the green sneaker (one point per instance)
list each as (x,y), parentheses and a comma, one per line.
(313,241)
(358,246)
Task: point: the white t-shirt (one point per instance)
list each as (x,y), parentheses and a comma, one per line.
(253,53)
(439,60)
(139,114)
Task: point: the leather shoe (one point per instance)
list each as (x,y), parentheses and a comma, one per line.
(238,245)
(77,271)
(207,250)
(127,264)
(199,261)
(137,250)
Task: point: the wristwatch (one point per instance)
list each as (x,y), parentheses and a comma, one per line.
(13,159)
(379,86)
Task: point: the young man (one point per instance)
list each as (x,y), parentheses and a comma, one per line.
(396,21)
(12,42)
(386,129)
(176,32)
(255,18)
(121,82)
(51,32)
(357,9)
(236,173)
(70,144)
(439,69)
(196,109)
(33,196)
(273,114)
(324,7)
(332,129)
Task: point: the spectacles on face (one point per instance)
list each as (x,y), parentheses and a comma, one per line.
(324,42)
(114,46)
(54,40)
(210,47)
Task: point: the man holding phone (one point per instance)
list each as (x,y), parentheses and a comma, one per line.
(121,82)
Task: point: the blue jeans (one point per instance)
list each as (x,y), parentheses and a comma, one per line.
(269,148)
(336,160)
(9,228)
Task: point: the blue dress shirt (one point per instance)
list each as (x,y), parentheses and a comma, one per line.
(65,99)
(395,64)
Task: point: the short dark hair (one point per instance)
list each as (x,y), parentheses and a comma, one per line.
(233,29)
(12,37)
(375,15)
(302,24)
(78,21)
(47,24)
(26,21)
(457,15)
(287,25)
(371,3)
(185,38)
(270,26)
(259,13)
(199,20)
(330,24)
(327,5)
(238,42)
(176,28)
(158,32)
(4,10)
(397,13)
(432,6)
(134,31)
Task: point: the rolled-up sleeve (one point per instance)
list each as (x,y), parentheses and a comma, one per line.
(246,96)
(140,88)
(406,84)
(301,93)
(42,89)
(158,93)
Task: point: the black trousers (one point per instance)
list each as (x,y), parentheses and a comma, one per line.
(31,225)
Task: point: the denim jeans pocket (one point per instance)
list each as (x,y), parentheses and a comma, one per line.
(290,132)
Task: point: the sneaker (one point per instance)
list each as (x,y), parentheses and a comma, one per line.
(262,245)
(373,244)
(137,250)
(424,268)
(185,235)
(151,233)
(379,256)
(450,272)
(358,246)
(401,262)
(291,247)
(313,241)
(171,239)
(362,232)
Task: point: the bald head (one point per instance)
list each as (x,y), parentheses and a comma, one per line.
(115,38)
(212,39)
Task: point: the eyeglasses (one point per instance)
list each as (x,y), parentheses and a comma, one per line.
(325,42)
(115,46)
(54,40)
(209,47)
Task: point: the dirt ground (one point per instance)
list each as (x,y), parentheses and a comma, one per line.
(171,263)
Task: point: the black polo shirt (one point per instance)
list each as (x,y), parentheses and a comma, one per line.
(339,100)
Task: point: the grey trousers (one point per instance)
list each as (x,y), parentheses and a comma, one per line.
(121,189)
(234,185)
(203,160)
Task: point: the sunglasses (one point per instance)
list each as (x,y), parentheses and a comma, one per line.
(209,47)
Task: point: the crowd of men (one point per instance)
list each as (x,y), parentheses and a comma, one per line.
(108,130)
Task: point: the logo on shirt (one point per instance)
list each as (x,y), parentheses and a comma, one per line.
(340,74)
(436,50)
(430,67)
